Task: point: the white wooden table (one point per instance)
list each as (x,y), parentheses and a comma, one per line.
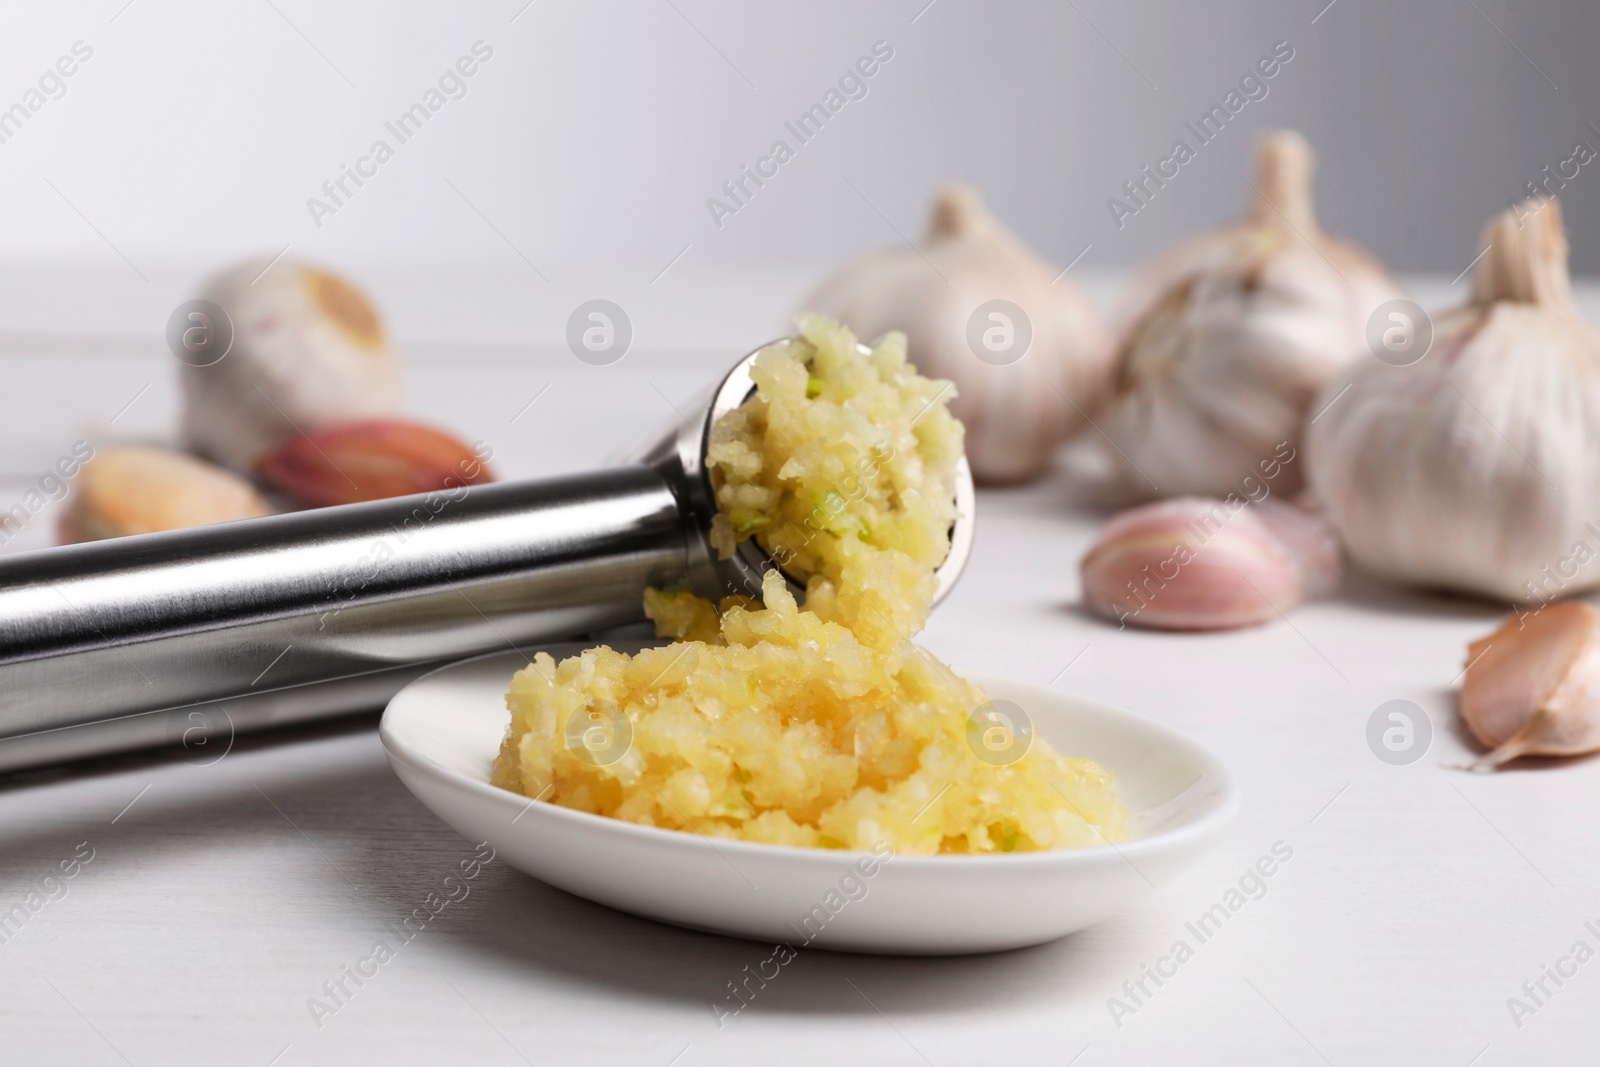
(219,899)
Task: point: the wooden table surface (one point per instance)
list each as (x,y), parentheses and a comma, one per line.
(211,907)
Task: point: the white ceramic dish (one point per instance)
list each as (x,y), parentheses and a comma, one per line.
(442,732)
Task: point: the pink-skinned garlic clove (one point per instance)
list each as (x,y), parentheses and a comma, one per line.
(1197,563)
(1311,541)
(1532,688)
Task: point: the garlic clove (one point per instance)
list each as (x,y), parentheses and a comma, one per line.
(1477,468)
(1229,337)
(136,489)
(1017,403)
(308,350)
(1533,686)
(373,460)
(1194,563)
(1309,539)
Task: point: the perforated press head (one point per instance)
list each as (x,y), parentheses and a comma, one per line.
(682,458)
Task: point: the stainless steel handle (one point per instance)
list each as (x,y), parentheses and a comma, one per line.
(372,594)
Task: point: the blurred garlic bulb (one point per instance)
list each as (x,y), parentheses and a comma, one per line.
(308,350)
(1477,468)
(1024,346)
(136,489)
(1194,563)
(1234,333)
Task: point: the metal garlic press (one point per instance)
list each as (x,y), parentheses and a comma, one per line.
(191,636)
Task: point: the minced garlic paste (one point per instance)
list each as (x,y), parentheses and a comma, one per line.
(821,726)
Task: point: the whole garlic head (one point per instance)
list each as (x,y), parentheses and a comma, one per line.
(1016,402)
(308,351)
(1477,468)
(1233,334)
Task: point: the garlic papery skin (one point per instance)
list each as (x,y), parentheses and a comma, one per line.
(1017,404)
(1230,337)
(1477,468)
(308,351)
(1197,563)
(1533,686)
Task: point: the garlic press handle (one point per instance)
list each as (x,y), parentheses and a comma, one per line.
(317,612)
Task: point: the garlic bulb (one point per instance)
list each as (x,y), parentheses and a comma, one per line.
(308,350)
(1024,346)
(1477,468)
(1533,686)
(1233,334)
(1195,563)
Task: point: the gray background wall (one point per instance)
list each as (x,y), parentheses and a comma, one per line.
(592,139)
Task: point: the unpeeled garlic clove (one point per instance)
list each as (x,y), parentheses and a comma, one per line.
(1533,686)
(1195,563)
(1229,338)
(136,489)
(372,460)
(1016,404)
(308,351)
(1477,467)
